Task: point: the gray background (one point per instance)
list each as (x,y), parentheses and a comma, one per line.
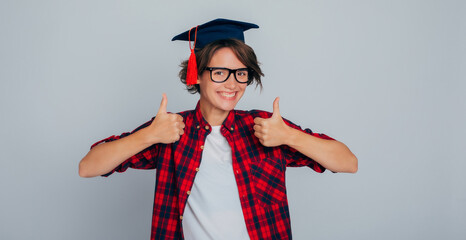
(384,77)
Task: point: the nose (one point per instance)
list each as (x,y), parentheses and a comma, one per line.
(231,81)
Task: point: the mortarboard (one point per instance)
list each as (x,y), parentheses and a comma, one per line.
(209,32)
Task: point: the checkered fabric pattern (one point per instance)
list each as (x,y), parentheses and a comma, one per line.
(259,173)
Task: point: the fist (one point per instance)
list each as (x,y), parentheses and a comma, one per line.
(166,127)
(272,131)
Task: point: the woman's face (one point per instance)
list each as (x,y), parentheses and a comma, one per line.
(221,97)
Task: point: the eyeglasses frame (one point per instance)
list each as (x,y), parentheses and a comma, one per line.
(230,71)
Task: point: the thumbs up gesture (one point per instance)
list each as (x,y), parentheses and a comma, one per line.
(272,131)
(166,127)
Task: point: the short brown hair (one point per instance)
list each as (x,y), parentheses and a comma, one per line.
(243,52)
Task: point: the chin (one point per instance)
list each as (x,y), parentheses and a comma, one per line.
(227,106)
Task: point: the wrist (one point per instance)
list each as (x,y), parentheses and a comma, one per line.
(145,138)
(292,137)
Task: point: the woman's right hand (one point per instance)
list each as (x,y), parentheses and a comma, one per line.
(166,127)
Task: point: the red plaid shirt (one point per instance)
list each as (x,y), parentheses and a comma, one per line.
(259,173)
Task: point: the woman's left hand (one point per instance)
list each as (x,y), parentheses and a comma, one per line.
(272,131)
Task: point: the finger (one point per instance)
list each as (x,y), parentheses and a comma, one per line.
(276,109)
(180,127)
(163,104)
(258,135)
(179,117)
(257,128)
(258,120)
(175,117)
(262,142)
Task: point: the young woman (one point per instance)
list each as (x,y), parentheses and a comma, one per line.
(220,171)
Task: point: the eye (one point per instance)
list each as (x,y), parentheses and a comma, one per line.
(218,72)
(242,73)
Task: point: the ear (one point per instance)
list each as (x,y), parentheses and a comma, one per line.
(198,80)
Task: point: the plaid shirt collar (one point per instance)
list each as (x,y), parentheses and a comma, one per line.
(200,122)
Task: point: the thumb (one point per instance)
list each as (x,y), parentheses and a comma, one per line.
(163,104)
(276,110)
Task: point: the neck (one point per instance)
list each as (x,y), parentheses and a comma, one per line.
(213,116)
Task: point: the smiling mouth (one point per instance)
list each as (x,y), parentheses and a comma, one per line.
(228,95)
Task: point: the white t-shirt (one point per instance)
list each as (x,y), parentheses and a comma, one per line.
(213,209)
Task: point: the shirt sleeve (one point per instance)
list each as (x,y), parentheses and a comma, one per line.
(145,159)
(294,158)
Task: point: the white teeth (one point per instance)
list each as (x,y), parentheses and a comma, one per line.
(228,94)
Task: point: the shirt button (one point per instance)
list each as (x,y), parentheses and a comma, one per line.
(197,169)
(206,127)
(198,126)
(188,192)
(232,129)
(181,217)
(237,171)
(202,147)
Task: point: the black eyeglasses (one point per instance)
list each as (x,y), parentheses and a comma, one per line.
(220,75)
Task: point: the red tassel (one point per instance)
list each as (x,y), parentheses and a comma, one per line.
(191,75)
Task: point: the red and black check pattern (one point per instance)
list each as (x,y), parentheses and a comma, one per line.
(259,173)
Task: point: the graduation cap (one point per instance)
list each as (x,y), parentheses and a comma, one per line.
(206,33)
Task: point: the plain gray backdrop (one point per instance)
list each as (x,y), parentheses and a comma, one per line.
(387,78)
